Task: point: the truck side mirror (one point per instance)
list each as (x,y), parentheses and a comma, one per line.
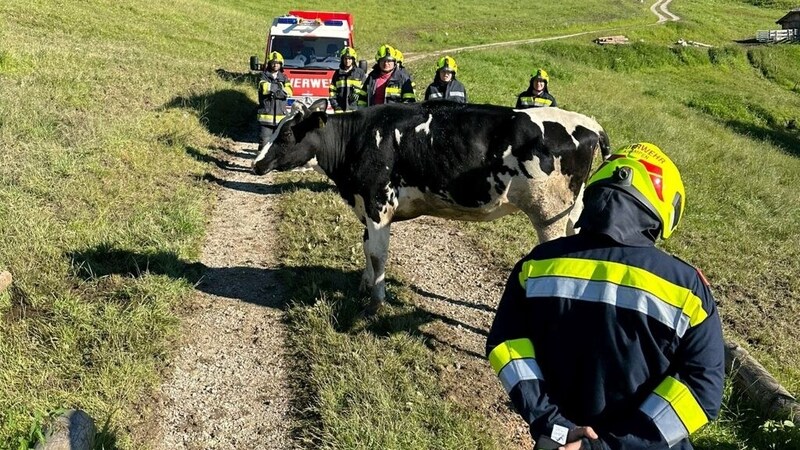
(362,65)
(254,64)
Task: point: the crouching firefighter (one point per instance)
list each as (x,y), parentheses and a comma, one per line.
(346,83)
(602,340)
(273,91)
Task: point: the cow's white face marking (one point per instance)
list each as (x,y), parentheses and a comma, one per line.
(263,153)
(378,138)
(397,135)
(426,127)
(312,164)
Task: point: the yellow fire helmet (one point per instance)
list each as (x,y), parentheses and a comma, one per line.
(541,74)
(398,55)
(386,51)
(645,172)
(348,52)
(447,63)
(275,56)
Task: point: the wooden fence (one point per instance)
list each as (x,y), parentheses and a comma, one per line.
(778,35)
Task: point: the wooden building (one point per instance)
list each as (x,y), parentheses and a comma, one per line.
(791,21)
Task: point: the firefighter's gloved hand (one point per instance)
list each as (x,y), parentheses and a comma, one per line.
(280,95)
(352,98)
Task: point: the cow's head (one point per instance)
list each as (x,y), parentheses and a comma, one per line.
(292,144)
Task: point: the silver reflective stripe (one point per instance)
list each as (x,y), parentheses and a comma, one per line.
(665,419)
(435,95)
(518,370)
(611,294)
(457,94)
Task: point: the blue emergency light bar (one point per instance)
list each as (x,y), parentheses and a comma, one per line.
(287,19)
(336,23)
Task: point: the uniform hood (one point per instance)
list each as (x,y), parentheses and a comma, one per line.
(618,215)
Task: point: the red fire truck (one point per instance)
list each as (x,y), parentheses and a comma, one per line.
(310,42)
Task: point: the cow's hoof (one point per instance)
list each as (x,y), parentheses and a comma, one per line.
(374,307)
(364,286)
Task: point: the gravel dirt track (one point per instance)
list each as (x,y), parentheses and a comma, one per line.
(228,386)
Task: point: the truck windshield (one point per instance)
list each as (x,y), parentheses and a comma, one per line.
(308,52)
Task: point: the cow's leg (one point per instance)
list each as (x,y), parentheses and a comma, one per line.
(376,247)
(368,277)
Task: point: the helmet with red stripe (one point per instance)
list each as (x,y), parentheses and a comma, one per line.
(645,172)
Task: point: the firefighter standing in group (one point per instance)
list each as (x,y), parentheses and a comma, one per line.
(445,86)
(603,340)
(537,94)
(273,90)
(346,83)
(387,82)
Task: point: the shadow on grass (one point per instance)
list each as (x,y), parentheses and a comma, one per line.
(422,292)
(250,79)
(222,164)
(105,259)
(349,304)
(225,113)
(787,140)
(269,189)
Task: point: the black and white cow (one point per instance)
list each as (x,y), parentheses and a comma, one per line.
(457,161)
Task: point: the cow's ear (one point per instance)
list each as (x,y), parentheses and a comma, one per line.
(319,105)
(319,118)
(298,107)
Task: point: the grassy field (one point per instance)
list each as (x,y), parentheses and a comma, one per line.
(109,112)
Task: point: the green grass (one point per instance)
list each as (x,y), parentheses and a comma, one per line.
(101,204)
(370,383)
(110,112)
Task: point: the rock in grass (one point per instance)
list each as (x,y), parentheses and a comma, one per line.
(5,280)
(73,430)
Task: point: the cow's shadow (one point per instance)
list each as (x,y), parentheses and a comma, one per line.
(199,155)
(349,309)
(269,189)
(224,113)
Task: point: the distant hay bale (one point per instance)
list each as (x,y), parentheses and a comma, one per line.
(612,40)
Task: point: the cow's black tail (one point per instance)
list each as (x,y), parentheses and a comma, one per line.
(605,145)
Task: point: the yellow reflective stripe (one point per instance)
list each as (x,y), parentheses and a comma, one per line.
(542,101)
(408,95)
(287,87)
(263,86)
(621,274)
(392,91)
(362,103)
(510,350)
(348,82)
(683,402)
(270,117)
(360,91)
